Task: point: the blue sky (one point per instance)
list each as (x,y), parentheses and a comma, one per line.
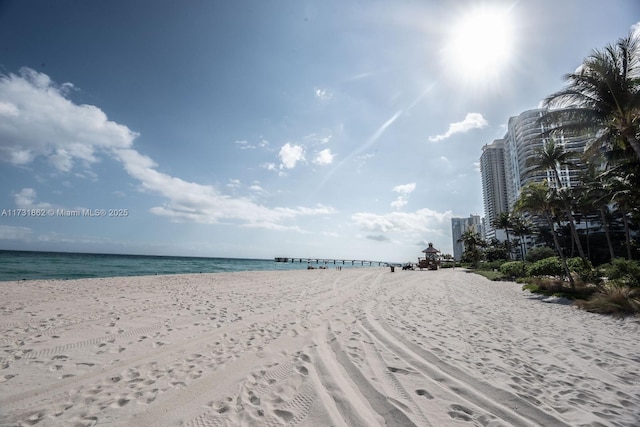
(338,129)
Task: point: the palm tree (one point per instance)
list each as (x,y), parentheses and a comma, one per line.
(553,156)
(602,98)
(537,198)
(522,228)
(503,222)
(623,190)
(595,193)
(472,242)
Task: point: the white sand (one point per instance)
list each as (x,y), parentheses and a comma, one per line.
(356,347)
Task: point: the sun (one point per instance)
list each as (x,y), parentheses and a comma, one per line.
(480,45)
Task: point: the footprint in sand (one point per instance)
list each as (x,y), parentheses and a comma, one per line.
(285,415)
(459,412)
(425,393)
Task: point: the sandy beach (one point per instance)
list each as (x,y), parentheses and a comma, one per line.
(355,347)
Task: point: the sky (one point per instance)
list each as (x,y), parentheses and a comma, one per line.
(336,129)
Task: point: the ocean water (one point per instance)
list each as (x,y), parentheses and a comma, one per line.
(25,265)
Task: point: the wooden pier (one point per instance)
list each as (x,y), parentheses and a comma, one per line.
(331,261)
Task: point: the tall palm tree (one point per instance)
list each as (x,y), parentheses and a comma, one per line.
(623,190)
(602,98)
(537,198)
(472,243)
(595,193)
(503,222)
(522,228)
(553,156)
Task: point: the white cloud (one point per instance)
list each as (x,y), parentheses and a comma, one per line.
(290,155)
(404,191)
(323,94)
(26,199)
(322,139)
(399,203)
(471,121)
(423,220)
(378,238)
(8,232)
(51,126)
(245,145)
(8,109)
(324,157)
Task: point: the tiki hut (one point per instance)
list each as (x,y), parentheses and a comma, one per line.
(431,259)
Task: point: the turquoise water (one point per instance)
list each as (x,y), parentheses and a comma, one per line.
(24,265)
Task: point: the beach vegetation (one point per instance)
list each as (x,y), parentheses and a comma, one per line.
(556,287)
(514,269)
(553,157)
(493,275)
(546,267)
(623,272)
(538,199)
(504,221)
(591,218)
(614,299)
(473,245)
(538,253)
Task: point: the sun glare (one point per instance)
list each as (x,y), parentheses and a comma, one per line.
(480,45)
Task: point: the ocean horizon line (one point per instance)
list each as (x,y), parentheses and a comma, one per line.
(44,265)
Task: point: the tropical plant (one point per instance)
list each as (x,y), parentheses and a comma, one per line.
(540,252)
(594,193)
(623,191)
(503,222)
(552,156)
(496,250)
(602,98)
(537,198)
(522,228)
(624,272)
(615,300)
(473,244)
(514,269)
(546,267)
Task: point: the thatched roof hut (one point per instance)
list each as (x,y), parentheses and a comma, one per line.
(431,252)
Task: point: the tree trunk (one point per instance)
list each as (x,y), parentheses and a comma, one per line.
(586,223)
(634,143)
(506,230)
(627,234)
(559,249)
(607,234)
(572,221)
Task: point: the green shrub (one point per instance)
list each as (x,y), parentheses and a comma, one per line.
(492,265)
(514,269)
(539,253)
(624,272)
(584,269)
(546,267)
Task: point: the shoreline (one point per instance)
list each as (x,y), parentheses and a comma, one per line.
(31,265)
(360,346)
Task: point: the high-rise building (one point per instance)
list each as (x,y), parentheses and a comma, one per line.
(458,227)
(523,139)
(494,184)
(503,183)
